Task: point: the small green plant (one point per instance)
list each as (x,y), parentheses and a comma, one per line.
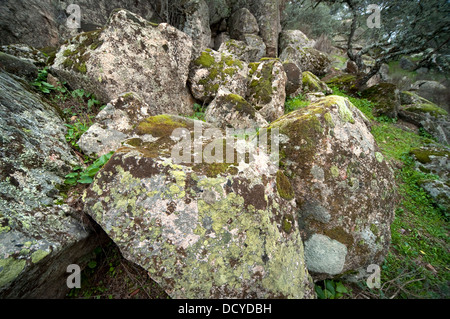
(75,131)
(41,82)
(329,289)
(86,176)
(199,113)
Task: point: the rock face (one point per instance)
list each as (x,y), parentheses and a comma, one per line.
(423,113)
(130,55)
(38,238)
(266,88)
(43,23)
(213,70)
(201,230)
(231,110)
(342,184)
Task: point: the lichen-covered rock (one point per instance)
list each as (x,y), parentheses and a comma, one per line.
(435,160)
(252,49)
(307,59)
(130,54)
(38,235)
(201,230)
(426,114)
(294,38)
(231,110)
(342,184)
(266,88)
(114,124)
(242,22)
(312,84)
(386,97)
(213,70)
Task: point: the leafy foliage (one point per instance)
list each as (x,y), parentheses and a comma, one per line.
(86,176)
(330,289)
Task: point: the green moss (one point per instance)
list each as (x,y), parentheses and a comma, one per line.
(334,171)
(284,186)
(159,125)
(260,88)
(329,120)
(430,108)
(205,60)
(423,154)
(240,104)
(287,223)
(38,255)
(10,268)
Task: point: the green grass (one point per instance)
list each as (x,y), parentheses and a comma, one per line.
(295,103)
(365,106)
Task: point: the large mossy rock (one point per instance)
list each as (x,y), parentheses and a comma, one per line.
(201,230)
(342,184)
(312,84)
(423,113)
(307,59)
(294,38)
(435,160)
(266,88)
(39,236)
(130,54)
(231,110)
(251,49)
(213,70)
(386,96)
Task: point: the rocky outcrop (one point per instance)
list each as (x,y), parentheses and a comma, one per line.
(342,184)
(39,236)
(130,55)
(213,70)
(266,88)
(43,23)
(201,229)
